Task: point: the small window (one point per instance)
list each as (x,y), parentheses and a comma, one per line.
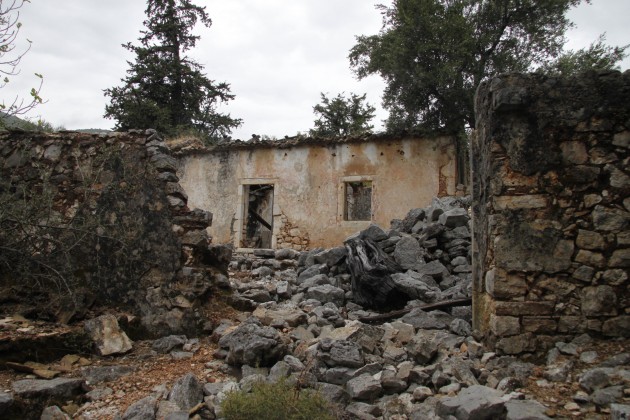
(358,200)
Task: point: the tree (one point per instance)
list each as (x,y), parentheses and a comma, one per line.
(341,116)
(598,56)
(434,53)
(10,60)
(165,89)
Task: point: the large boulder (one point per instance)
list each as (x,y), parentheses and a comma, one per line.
(48,389)
(143,409)
(408,253)
(253,344)
(187,392)
(414,286)
(343,353)
(107,336)
(475,402)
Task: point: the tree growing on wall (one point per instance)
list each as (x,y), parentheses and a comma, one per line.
(10,58)
(434,53)
(342,116)
(164,89)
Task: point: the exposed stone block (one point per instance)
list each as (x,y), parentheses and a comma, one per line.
(617,327)
(584,273)
(615,277)
(517,344)
(620,258)
(610,220)
(598,301)
(594,259)
(520,202)
(622,139)
(503,286)
(571,324)
(590,240)
(524,308)
(574,152)
(504,325)
(540,325)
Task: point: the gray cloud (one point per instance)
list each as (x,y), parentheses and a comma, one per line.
(278,55)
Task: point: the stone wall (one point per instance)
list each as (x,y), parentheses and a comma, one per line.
(551,188)
(92,220)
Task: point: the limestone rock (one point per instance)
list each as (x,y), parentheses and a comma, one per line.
(596,378)
(454,217)
(54,413)
(166,344)
(107,336)
(6,401)
(525,410)
(143,409)
(408,253)
(333,393)
(364,387)
(99,374)
(415,288)
(475,402)
(619,412)
(326,293)
(343,353)
(252,344)
(292,316)
(425,344)
(187,392)
(44,388)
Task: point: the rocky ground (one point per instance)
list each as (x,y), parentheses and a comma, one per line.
(298,318)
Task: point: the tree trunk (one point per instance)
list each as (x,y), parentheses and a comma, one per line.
(371,269)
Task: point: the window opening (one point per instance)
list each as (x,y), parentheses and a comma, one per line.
(358,200)
(258,226)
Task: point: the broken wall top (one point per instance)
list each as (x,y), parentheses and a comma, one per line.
(194,146)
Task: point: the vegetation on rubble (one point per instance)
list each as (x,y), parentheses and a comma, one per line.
(276,401)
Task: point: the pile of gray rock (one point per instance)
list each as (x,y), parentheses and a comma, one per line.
(393,371)
(302,324)
(428,251)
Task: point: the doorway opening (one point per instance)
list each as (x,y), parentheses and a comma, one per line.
(258,212)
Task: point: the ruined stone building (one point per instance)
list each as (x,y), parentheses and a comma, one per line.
(305,193)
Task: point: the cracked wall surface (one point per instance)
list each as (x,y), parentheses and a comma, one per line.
(309,182)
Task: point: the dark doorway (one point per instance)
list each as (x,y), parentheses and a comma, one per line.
(258,211)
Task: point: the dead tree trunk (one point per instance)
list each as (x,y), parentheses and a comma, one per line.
(371,270)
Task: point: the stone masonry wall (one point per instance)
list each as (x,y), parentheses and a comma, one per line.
(551,188)
(110,226)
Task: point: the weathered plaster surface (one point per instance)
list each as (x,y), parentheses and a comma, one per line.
(308,180)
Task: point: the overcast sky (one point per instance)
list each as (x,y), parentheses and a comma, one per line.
(278,55)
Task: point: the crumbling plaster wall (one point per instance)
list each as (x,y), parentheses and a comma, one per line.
(308,178)
(551,209)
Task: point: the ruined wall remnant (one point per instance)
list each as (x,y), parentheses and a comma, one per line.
(551,187)
(323,189)
(99,220)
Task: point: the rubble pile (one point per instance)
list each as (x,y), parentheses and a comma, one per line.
(309,319)
(425,258)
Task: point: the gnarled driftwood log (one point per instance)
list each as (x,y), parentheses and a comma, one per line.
(371,269)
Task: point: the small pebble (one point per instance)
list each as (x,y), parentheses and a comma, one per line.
(571,406)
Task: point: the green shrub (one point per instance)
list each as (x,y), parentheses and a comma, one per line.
(276,401)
